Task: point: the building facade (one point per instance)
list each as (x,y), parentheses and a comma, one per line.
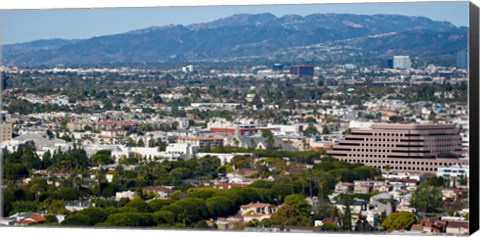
(402,62)
(302,71)
(455,175)
(461,60)
(402,147)
(5,131)
(202,142)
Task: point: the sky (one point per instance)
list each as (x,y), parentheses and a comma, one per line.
(27,25)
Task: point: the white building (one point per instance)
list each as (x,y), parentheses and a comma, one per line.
(185,150)
(454,174)
(402,62)
(225,158)
(286,130)
(126,194)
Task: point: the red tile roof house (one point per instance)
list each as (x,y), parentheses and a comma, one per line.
(257,211)
(160,191)
(30,220)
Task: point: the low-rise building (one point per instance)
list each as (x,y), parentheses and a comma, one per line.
(126,194)
(455,175)
(160,192)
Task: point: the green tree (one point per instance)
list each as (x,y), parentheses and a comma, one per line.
(299,202)
(139,204)
(189,210)
(288,215)
(163,217)
(220,206)
(140,142)
(330,227)
(399,221)
(426,198)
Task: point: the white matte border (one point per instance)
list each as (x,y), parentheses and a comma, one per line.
(87,232)
(55,4)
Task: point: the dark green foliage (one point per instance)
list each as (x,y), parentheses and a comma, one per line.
(330,227)
(128,219)
(77,220)
(426,198)
(157,204)
(188,210)
(288,215)
(139,205)
(102,157)
(220,206)
(25,206)
(298,201)
(261,184)
(163,217)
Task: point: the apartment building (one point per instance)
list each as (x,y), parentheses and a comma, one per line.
(202,142)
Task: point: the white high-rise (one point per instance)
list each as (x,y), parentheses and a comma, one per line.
(402,62)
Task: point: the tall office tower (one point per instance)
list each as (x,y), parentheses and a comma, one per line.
(462,59)
(402,147)
(402,62)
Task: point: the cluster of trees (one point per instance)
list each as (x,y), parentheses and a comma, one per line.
(24,161)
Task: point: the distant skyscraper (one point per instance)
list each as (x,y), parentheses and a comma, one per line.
(462,59)
(402,62)
(302,70)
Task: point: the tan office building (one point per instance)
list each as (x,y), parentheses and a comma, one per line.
(402,147)
(5,131)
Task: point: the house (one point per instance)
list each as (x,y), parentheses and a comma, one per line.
(257,208)
(362,188)
(344,187)
(383,188)
(160,192)
(457,227)
(257,211)
(357,205)
(383,203)
(313,201)
(29,219)
(126,194)
(77,206)
(229,186)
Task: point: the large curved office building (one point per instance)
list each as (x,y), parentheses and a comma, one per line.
(402,147)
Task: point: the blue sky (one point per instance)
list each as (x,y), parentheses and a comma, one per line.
(27,25)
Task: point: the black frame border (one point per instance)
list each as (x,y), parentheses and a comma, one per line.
(474,116)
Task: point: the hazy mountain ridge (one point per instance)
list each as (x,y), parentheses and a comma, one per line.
(247,35)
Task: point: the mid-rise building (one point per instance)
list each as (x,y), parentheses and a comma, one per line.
(202,142)
(402,62)
(5,131)
(302,70)
(402,147)
(455,175)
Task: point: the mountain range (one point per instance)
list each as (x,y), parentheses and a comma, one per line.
(257,36)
